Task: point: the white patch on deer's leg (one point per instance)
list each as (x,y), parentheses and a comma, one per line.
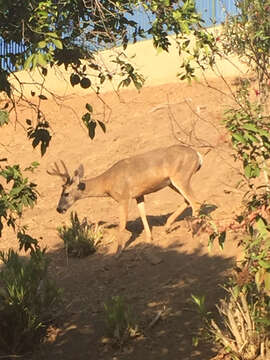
(141,207)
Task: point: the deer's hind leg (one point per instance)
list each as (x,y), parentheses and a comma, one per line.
(183,188)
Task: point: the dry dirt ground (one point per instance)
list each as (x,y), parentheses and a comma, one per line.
(136,122)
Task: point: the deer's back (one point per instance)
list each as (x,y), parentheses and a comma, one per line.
(146,173)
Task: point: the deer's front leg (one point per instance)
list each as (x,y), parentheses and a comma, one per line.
(123,214)
(141,207)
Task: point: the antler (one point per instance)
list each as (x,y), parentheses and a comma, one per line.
(56,171)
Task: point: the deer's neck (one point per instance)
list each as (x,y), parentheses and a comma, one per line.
(95,186)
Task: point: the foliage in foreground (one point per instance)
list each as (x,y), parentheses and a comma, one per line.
(245,313)
(71,34)
(239,333)
(27,297)
(243,325)
(80,239)
(16,195)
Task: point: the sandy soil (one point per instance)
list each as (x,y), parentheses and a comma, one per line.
(136,122)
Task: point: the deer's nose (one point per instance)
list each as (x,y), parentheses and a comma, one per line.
(60,210)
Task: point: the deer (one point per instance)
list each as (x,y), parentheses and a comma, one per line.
(133,178)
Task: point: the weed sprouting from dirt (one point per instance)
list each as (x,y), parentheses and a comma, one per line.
(81,238)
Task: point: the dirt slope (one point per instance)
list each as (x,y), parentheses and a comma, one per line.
(136,122)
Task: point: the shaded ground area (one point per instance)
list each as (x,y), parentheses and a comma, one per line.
(149,289)
(136,122)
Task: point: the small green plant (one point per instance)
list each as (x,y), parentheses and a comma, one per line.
(199,302)
(204,315)
(27,297)
(80,239)
(120,325)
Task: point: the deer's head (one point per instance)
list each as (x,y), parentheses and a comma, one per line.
(72,188)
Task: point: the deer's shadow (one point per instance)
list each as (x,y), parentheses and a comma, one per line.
(135,227)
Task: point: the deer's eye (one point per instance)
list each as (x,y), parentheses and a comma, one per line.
(66,194)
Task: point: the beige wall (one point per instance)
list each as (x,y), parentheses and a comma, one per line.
(156,67)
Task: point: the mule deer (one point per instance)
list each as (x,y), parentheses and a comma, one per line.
(134,177)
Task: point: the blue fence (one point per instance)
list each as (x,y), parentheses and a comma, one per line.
(6,52)
(212,11)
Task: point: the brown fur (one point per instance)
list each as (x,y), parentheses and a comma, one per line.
(134,177)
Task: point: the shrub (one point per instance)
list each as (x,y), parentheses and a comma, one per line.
(81,238)
(16,195)
(239,334)
(26,299)
(119,321)
(243,328)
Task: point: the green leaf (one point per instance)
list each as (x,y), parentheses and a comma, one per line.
(85,83)
(54,35)
(252,138)
(42,44)
(74,79)
(221,239)
(32,167)
(89,108)
(35,61)
(262,228)
(102,125)
(267,281)
(251,171)
(248,171)
(251,127)
(92,129)
(58,43)
(102,78)
(86,118)
(42,97)
(264,133)
(28,62)
(213,225)
(211,240)
(3,117)
(258,278)
(41,59)
(177,15)
(184,27)
(256,171)
(239,138)
(264,264)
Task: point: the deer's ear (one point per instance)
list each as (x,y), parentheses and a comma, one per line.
(79,172)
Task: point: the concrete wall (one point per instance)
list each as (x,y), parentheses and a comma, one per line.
(156,67)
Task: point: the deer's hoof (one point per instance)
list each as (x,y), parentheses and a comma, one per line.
(149,239)
(119,251)
(167,229)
